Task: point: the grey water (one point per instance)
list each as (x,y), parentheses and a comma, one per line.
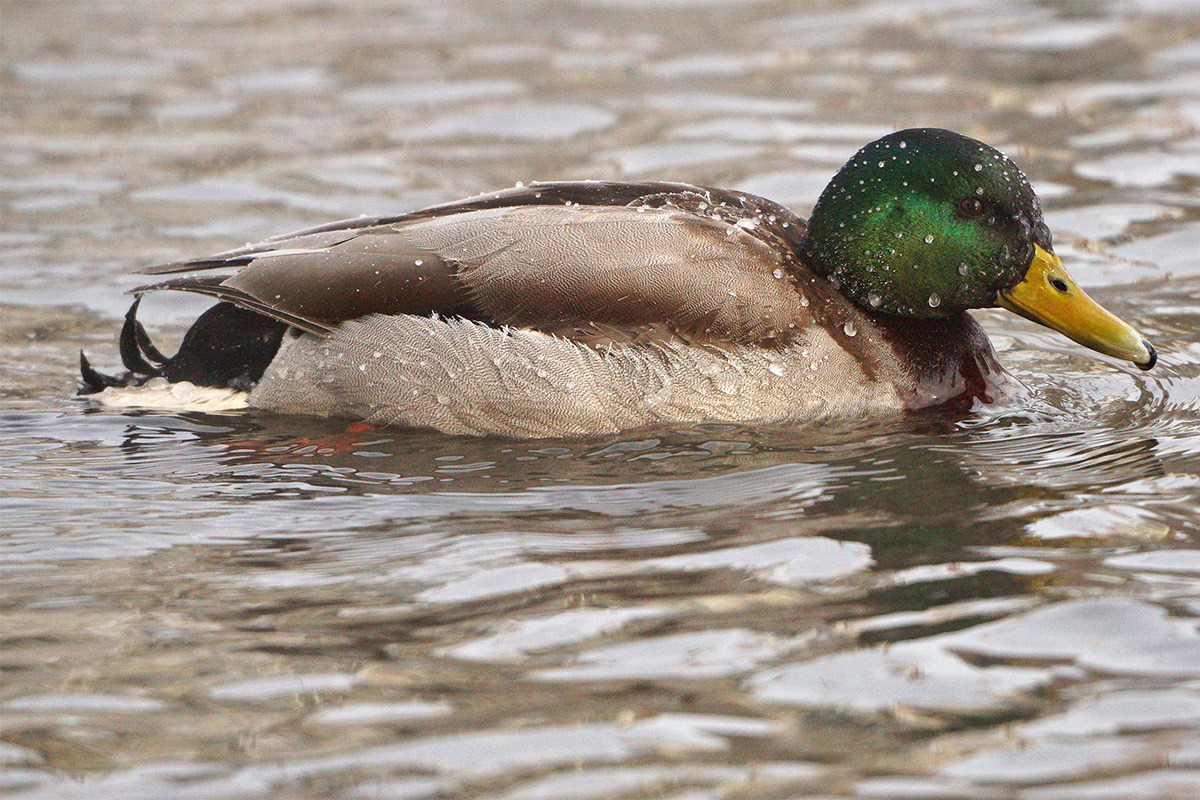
(1003,604)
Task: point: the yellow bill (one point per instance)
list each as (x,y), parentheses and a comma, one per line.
(1050,297)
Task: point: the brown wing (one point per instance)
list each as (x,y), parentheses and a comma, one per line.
(695,260)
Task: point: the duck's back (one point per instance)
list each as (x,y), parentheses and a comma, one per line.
(708,262)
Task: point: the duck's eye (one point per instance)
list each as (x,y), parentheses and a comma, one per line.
(971,207)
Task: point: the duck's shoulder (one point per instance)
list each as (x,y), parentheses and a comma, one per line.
(633,259)
(745,289)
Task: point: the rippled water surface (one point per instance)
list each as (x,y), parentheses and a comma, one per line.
(1002,605)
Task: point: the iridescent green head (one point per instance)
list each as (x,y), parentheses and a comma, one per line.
(926,223)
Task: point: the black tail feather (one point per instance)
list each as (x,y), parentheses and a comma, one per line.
(132,352)
(94,381)
(147,347)
(227,347)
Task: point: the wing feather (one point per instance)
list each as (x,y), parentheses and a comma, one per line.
(547,257)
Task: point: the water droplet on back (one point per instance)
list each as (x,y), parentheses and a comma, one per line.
(874,299)
(935,300)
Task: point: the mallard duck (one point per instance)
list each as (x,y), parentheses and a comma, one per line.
(577,308)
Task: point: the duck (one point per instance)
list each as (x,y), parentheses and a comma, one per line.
(579,308)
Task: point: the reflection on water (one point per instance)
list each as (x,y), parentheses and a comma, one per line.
(999,605)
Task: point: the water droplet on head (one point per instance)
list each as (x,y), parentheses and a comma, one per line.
(929,239)
(850,329)
(979,167)
(934,300)
(903,145)
(899,235)
(804,301)
(778,273)
(874,299)
(963,268)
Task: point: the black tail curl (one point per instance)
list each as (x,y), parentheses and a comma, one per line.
(141,358)
(227,348)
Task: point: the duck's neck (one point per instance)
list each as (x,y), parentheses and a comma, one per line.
(950,361)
